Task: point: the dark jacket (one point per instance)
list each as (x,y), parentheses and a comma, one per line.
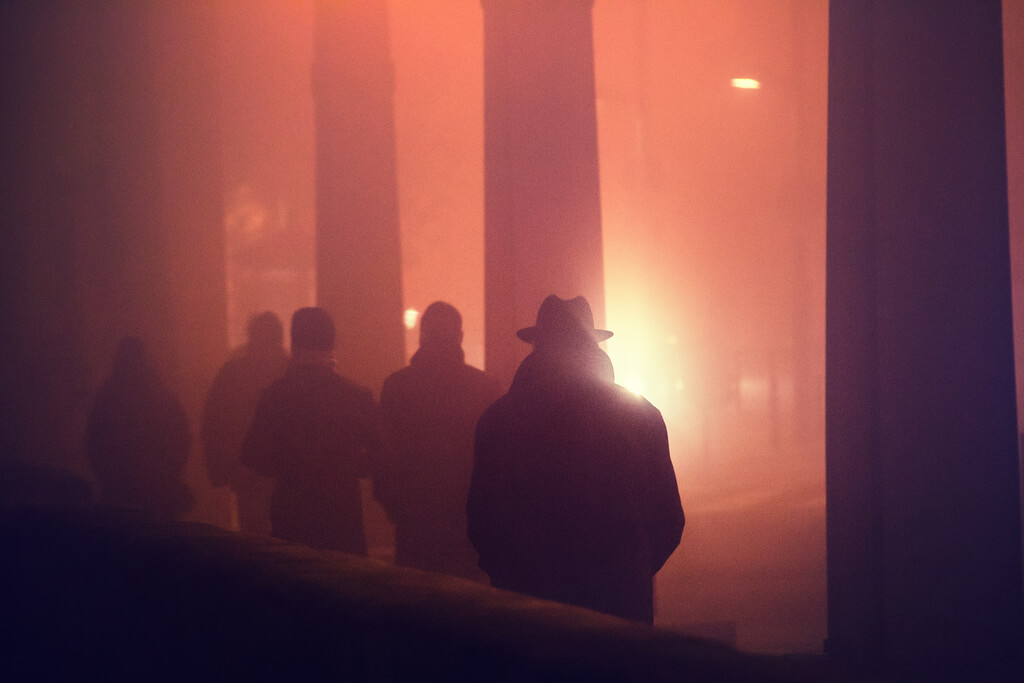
(431,409)
(573,496)
(315,433)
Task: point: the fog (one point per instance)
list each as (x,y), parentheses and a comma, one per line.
(713,202)
(713,219)
(713,215)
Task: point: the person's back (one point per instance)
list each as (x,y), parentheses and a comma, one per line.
(315,433)
(137,438)
(228,412)
(573,495)
(431,408)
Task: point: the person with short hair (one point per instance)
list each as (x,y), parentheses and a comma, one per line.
(431,408)
(315,433)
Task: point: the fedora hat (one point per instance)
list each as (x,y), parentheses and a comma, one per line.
(557,315)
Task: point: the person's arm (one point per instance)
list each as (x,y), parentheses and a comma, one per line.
(374,455)
(484,524)
(664,518)
(258,448)
(212,430)
(179,437)
(373,442)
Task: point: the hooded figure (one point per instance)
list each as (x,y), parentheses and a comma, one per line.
(573,495)
(137,439)
(431,409)
(315,433)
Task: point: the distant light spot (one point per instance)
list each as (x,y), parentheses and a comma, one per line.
(410,317)
(746,83)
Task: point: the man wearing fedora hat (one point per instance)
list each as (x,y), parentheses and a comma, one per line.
(573,495)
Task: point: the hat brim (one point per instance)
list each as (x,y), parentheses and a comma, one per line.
(529,334)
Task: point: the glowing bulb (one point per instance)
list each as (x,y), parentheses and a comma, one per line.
(410,317)
(746,83)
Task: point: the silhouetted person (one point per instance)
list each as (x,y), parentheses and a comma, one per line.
(315,433)
(573,496)
(431,409)
(228,412)
(137,438)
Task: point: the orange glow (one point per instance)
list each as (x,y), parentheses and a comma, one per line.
(712,209)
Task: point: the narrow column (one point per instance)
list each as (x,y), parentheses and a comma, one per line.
(542,208)
(358,242)
(924,534)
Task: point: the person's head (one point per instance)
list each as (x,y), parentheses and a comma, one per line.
(441,325)
(131,361)
(312,330)
(563,323)
(131,354)
(265,332)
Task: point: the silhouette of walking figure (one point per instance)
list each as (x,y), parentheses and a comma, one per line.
(137,438)
(431,408)
(315,433)
(228,412)
(573,496)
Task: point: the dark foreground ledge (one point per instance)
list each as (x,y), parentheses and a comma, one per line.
(92,594)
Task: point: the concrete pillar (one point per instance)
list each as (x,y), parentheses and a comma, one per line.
(542,210)
(924,534)
(358,242)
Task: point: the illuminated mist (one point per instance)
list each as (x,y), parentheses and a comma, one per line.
(712,140)
(712,131)
(713,198)
(714,215)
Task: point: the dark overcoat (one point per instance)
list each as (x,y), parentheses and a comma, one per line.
(573,495)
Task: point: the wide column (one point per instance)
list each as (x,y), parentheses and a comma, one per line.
(542,208)
(358,241)
(924,535)
(112,196)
